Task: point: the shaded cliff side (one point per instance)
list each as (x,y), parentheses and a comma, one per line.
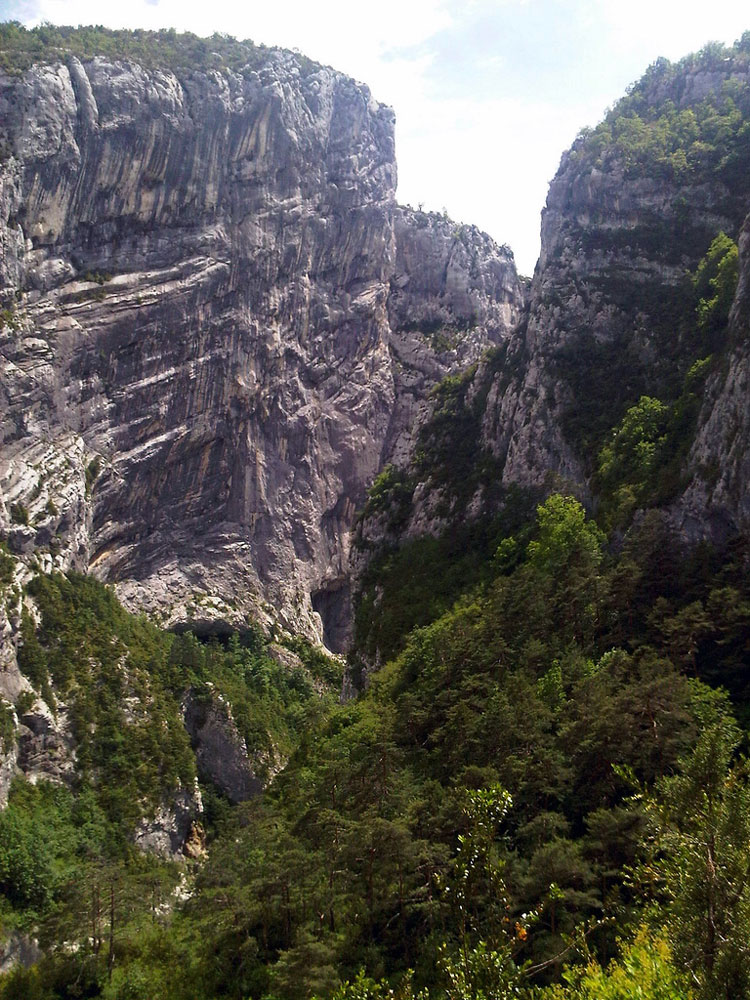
(716,502)
(614,306)
(625,381)
(632,210)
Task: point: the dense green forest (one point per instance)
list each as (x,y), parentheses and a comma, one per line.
(542,792)
(535,780)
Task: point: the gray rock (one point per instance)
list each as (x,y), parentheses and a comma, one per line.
(46,749)
(220,751)
(284,657)
(19,951)
(8,770)
(173,830)
(219,309)
(716,503)
(616,249)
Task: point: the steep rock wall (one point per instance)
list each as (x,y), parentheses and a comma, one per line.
(199,375)
(716,503)
(631,211)
(611,317)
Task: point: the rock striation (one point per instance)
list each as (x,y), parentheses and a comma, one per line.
(217,329)
(611,316)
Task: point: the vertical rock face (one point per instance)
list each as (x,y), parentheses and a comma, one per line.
(46,748)
(628,216)
(220,750)
(454,293)
(174,829)
(199,378)
(230,378)
(716,503)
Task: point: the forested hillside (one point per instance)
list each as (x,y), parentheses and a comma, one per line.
(536,782)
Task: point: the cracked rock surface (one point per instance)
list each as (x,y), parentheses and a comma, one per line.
(217,329)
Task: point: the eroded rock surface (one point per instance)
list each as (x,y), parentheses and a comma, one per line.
(212,339)
(610,311)
(175,828)
(46,749)
(716,503)
(221,753)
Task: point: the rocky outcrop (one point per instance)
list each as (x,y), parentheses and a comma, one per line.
(211,340)
(46,749)
(611,314)
(8,763)
(221,753)
(454,293)
(175,828)
(18,950)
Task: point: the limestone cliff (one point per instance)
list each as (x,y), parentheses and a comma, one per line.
(633,207)
(213,329)
(716,503)
(631,212)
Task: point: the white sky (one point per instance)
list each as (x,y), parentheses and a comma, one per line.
(487,93)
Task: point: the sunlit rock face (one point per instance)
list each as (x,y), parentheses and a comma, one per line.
(201,374)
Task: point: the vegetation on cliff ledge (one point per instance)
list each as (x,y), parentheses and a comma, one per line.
(167,49)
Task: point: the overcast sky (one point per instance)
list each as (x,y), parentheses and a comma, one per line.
(487,93)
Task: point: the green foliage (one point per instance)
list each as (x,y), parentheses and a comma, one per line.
(9,317)
(412,585)
(651,132)
(645,969)
(89,651)
(702,820)
(34,832)
(390,494)
(633,455)
(92,473)
(715,282)
(7,727)
(31,658)
(564,536)
(656,329)
(320,666)
(271,703)
(66,861)
(516,685)
(19,513)
(99,277)
(643,462)
(7,566)
(165,49)
(635,449)
(66,876)
(365,988)
(96,656)
(447,444)
(389,843)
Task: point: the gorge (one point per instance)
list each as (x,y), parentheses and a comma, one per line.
(284,417)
